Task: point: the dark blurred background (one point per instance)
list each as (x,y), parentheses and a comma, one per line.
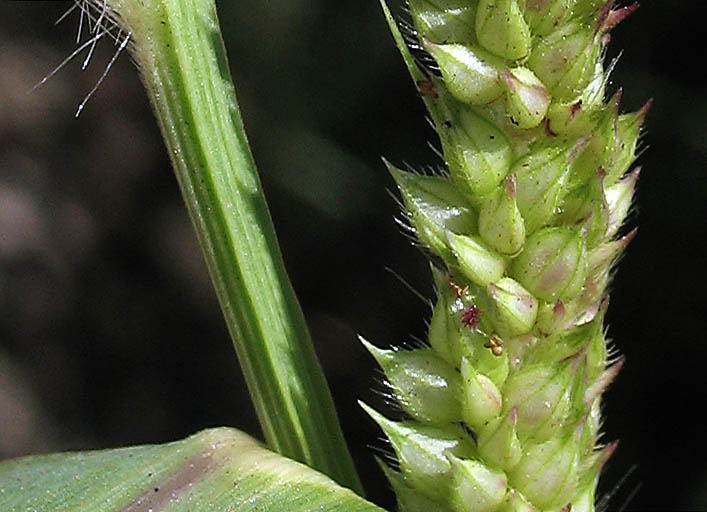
(110,333)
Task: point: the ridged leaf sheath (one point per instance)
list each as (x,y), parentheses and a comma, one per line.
(523,226)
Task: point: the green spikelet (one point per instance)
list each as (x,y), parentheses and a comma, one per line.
(504,404)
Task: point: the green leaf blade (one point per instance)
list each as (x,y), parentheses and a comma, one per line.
(215,470)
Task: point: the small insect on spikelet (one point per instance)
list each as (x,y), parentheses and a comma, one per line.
(504,403)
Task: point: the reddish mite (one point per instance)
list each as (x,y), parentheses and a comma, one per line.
(470,317)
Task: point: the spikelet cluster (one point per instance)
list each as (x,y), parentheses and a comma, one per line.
(523,228)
